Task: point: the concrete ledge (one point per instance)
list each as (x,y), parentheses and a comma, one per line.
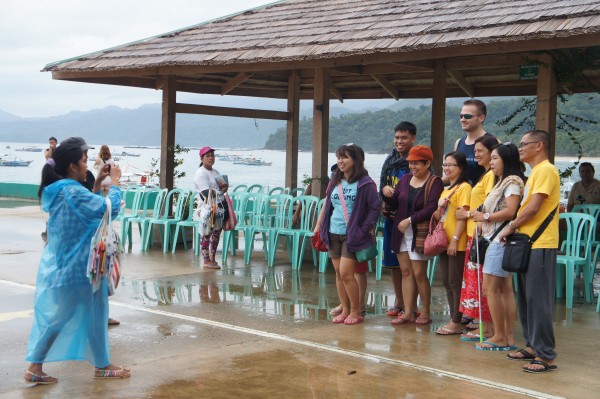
(19,190)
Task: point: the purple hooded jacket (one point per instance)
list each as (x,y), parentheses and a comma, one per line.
(363,218)
(420,212)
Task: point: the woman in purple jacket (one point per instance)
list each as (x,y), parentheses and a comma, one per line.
(409,200)
(346,224)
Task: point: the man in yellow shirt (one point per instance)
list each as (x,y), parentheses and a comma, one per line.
(536,286)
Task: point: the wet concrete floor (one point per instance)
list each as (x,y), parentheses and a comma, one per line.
(255,332)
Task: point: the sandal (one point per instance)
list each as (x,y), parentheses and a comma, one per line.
(400,320)
(336,311)
(339,319)
(353,320)
(113,322)
(526,355)
(421,321)
(446,331)
(394,312)
(545,367)
(39,379)
(119,373)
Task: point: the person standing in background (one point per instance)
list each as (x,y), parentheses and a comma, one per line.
(104,158)
(472,116)
(52,142)
(394,167)
(586,191)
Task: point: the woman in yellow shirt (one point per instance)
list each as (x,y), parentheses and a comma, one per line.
(456,196)
(471,286)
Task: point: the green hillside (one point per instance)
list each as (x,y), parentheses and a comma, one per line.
(373,130)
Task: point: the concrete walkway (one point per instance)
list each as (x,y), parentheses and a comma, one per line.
(256,332)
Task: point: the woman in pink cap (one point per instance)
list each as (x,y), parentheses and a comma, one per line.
(207,179)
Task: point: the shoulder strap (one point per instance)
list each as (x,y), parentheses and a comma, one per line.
(427,188)
(343,201)
(543,226)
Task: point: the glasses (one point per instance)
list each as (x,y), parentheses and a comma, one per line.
(468,116)
(348,144)
(524,143)
(449,165)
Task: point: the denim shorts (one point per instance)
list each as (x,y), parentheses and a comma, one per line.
(493,260)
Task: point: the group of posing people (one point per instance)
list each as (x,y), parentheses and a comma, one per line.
(483,193)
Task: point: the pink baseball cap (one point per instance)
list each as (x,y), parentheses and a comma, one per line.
(204,150)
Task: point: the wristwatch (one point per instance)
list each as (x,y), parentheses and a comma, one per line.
(469,215)
(486,216)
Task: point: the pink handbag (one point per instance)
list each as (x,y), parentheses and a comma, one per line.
(231,222)
(436,241)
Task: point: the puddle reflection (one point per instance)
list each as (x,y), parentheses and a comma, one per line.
(293,294)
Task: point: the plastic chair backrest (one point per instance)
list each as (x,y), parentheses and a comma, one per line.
(280,211)
(590,209)
(298,191)
(579,234)
(166,209)
(240,187)
(309,214)
(151,198)
(277,190)
(191,204)
(137,201)
(255,188)
(237,197)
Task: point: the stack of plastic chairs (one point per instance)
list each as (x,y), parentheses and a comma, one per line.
(255,188)
(151,203)
(594,211)
(577,251)
(279,222)
(230,238)
(133,204)
(297,236)
(187,221)
(255,213)
(297,192)
(166,218)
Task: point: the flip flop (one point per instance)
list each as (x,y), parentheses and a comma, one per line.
(113,322)
(353,320)
(400,320)
(119,373)
(394,312)
(336,311)
(421,321)
(546,367)
(39,379)
(446,331)
(339,319)
(471,337)
(526,356)
(494,347)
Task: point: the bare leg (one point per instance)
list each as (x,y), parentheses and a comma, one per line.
(361,280)
(409,287)
(419,268)
(493,292)
(397,280)
(347,267)
(510,309)
(341,290)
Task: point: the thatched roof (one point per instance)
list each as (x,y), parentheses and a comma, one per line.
(298,34)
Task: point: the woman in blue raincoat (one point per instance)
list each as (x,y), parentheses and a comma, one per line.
(70,320)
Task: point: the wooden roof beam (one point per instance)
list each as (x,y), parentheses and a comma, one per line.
(461,82)
(336,92)
(235,82)
(387,85)
(183,108)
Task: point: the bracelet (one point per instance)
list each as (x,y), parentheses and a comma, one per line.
(512,225)
(469,215)
(409,220)
(455,238)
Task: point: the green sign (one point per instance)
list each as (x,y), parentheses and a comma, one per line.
(528,72)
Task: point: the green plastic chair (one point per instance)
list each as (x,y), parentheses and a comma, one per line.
(230,238)
(128,196)
(255,188)
(135,205)
(256,221)
(297,236)
(151,204)
(192,200)
(277,190)
(578,251)
(240,187)
(594,210)
(297,192)
(165,218)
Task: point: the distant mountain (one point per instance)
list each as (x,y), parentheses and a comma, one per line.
(6,117)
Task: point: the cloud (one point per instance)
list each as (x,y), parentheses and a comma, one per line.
(36,33)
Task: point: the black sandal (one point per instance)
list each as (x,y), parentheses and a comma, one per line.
(526,356)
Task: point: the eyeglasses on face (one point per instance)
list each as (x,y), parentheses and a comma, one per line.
(524,143)
(449,165)
(468,116)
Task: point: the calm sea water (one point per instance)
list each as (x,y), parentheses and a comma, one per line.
(268,176)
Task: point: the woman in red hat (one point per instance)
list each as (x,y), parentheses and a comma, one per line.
(208,181)
(415,198)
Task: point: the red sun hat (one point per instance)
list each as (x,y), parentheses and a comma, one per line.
(205,150)
(420,153)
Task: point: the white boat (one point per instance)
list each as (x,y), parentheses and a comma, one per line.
(5,161)
(252,162)
(30,148)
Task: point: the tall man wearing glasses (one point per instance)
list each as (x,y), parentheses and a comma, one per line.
(536,286)
(472,116)
(394,167)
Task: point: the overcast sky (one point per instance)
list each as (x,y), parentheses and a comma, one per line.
(34,33)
